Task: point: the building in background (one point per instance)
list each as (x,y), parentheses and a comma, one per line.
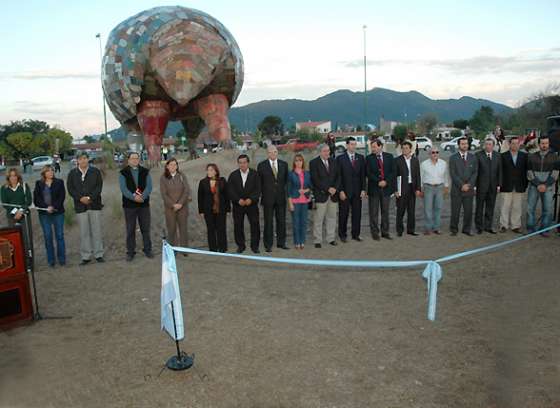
(320,127)
(386,126)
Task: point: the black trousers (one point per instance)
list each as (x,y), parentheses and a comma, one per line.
(252,213)
(379,201)
(355,203)
(142,214)
(216,227)
(484,213)
(406,203)
(459,201)
(275,211)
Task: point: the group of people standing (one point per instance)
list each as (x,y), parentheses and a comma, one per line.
(334,187)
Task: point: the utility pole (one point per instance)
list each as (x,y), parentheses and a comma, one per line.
(98,36)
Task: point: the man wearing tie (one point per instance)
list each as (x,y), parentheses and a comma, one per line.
(409,186)
(273,174)
(513,187)
(463,170)
(325,179)
(244,190)
(353,185)
(380,171)
(488,184)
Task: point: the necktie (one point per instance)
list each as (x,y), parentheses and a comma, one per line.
(489,156)
(326,163)
(274,169)
(380,165)
(465,158)
(353,161)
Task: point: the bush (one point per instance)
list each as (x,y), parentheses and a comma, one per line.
(69,212)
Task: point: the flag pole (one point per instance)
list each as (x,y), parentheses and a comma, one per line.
(182,361)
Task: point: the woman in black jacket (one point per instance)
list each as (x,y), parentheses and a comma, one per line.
(213,205)
(49,197)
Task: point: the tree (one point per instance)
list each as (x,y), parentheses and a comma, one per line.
(20,144)
(455,133)
(426,123)
(483,120)
(271,126)
(461,124)
(399,132)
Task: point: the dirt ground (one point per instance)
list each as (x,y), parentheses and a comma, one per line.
(278,336)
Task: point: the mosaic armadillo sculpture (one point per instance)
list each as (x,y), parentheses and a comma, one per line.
(171,63)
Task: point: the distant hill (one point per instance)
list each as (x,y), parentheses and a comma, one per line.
(347,107)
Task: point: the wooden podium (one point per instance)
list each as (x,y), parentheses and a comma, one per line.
(15,295)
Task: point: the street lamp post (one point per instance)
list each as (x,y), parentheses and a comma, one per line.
(98,36)
(365,84)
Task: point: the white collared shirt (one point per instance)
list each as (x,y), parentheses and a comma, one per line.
(434,173)
(244,176)
(351,156)
(83,172)
(274,165)
(409,169)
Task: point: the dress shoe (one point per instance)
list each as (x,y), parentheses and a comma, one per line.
(503,229)
(149,254)
(479,231)
(357,239)
(343,240)
(100,259)
(85,262)
(468,233)
(240,250)
(256,251)
(453,233)
(399,234)
(333,243)
(129,257)
(427,232)
(517,230)
(414,234)
(317,246)
(375,237)
(283,247)
(387,236)
(437,232)
(268,249)
(490,231)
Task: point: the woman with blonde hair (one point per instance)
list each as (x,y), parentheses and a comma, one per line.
(299,196)
(48,196)
(15,196)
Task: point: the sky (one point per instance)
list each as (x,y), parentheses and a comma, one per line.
(505,51)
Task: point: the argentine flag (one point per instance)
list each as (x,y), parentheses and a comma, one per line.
(170,294)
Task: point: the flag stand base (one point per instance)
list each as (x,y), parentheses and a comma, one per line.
(179,363)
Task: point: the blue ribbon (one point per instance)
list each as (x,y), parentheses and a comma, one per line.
(433,272)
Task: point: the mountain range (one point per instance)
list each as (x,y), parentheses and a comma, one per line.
(347,107)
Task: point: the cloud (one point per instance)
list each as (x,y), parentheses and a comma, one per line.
(527,62)
(48,75)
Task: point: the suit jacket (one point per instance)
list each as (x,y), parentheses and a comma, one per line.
(489,172)
(206,198)
(373,174)
(402,171)
(322,180)
(273,189)
(58,194)
(252,188)
(352,178)
(294,183)
(463,173)
(514,176)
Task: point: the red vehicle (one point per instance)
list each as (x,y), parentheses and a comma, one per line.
(296,145)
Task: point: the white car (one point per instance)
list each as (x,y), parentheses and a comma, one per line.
(361,143)
(40,161)
(424,143)
(452,144)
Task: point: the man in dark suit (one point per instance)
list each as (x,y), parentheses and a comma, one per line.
(325,179)
(409,186)
(463,170)
(380,172)
(488,184)
(244,190)
(273,174)
(353,189)
(513,187)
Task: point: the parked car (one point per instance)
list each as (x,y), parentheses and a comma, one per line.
(452,144)
(40,161)
(296,145)
(361,143)
(424,143)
